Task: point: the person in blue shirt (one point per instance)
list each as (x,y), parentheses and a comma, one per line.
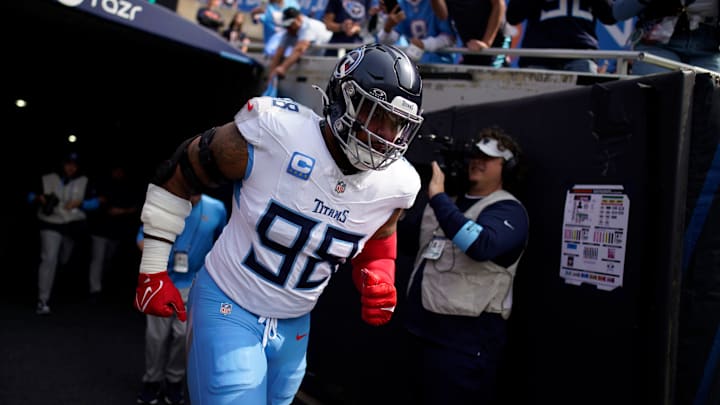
(425,31)
(271,15)
(460,291)
(165,336)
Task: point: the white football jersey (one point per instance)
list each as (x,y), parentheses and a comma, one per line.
(295,215)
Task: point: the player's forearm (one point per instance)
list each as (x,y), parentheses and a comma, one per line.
(163,218)
(389,227)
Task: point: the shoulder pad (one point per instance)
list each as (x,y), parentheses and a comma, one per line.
(252,108)
(256,106)
(411,179)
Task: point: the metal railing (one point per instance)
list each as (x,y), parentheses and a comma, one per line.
(622,58)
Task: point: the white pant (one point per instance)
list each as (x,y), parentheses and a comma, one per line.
(54,247)
(165,347)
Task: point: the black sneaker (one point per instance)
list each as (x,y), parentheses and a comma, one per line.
(150,393)
(174,393)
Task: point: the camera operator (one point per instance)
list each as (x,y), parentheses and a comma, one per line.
(460,291)
(61,201)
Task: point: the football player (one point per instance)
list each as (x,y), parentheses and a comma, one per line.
(310,193)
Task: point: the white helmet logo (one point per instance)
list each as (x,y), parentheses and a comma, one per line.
(349,63)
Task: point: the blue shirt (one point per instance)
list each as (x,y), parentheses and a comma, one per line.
(202,227)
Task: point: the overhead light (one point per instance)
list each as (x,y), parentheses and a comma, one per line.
(72,138)
(20,103)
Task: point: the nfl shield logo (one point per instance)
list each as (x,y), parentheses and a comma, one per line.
(340,187)
(225,308)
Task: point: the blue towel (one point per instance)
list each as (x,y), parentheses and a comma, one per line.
(271,90)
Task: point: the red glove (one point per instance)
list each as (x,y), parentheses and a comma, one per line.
(157,295)
(378,299)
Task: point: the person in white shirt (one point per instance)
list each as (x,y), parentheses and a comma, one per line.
(301,32)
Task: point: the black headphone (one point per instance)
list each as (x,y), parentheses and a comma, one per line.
(509,170)
(510,164)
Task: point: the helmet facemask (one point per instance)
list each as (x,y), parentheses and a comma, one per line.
(363,111)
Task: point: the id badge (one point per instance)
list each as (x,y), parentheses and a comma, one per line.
(181,262)
(434,249)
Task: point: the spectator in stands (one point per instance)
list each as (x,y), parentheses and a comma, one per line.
(209,16)
(234,32)
(270,15)
(347,20)
(479,23)
(460,291)
(569,24)
(300,33)
(425,31)
(669,29)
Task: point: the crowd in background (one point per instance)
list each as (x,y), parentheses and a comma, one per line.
(423,27)
(103,207)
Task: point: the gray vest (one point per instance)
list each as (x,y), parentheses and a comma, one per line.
(73,190)
(455,284)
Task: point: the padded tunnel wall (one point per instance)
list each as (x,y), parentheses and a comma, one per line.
(698,363)
(568,344)
(579,344)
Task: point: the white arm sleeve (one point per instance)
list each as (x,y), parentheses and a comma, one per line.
(164,213)
(155,255)
(163,216)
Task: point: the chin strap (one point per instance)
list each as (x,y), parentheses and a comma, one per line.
(325,101)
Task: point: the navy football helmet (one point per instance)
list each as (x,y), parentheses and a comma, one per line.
(374,81)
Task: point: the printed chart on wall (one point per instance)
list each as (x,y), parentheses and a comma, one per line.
(594,236)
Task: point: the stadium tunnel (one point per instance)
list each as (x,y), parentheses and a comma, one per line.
(129,92)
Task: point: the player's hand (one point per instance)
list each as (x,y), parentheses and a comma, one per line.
(378,299)
(157,295)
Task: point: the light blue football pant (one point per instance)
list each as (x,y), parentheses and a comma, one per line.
(227,361)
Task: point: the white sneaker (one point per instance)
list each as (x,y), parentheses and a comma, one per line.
(42,308)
